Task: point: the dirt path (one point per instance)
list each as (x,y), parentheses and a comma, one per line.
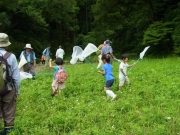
(38,68)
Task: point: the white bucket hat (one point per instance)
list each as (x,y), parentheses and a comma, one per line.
(4,40)
(28,46)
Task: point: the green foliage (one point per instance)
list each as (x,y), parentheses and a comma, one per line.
(159,34)
(176,38)
(150,105)
(129,24)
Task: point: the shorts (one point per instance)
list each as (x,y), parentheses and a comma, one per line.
(109,83)
(121,81)
(58,85)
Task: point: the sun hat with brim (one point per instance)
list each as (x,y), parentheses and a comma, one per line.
(28,46)
(4,40)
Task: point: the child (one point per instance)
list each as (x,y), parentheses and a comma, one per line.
(56,85)
(107,72)
(122,71)
(99,55)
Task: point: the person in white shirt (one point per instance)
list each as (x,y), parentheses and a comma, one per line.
(60,52)
(122,70)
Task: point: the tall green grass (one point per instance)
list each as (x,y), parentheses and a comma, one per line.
(149,106)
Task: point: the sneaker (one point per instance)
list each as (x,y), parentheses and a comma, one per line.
(54,93)
(113,97)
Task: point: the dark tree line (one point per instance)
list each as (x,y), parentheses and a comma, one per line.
(131,25)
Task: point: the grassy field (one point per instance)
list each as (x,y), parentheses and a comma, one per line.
(149,106)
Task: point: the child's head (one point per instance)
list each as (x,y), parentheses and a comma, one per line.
(105,58)
(125,57)
(59,61)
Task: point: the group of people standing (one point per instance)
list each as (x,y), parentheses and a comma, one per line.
(30,57)
(105,60)
(9,89)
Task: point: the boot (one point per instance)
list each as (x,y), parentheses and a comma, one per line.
(7,130)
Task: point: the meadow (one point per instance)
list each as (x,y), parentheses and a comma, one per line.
(149,106)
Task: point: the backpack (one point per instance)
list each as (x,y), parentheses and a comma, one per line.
(98,52)
(42,58)
(5,77)
(61,75)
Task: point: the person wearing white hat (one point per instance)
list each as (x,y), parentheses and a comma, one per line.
(30,57)
(8,100)
(60,52)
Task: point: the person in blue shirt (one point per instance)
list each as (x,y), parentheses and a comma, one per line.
(8,100)
(30,57)
(47,54)
(107,73)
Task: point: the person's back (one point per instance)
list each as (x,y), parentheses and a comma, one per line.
(108,71)
(8,100)
(106,49)
(60,53)
(56,86)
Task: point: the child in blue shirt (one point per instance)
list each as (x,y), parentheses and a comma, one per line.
(56,85)
(107,73)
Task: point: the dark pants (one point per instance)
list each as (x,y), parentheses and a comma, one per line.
(29,68)
(109,83)
(7,109)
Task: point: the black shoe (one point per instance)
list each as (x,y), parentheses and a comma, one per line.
(53,94)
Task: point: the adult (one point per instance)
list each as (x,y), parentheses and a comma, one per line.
(99,55)
(47,54)
(107,49)
(60,52)
(30,57)
(8,100)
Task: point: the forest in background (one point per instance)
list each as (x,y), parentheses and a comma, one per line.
(130,25)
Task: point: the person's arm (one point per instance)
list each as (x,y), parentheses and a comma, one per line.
(132,64)
(112,54)
(34,63)
(15,73)
(102,72)
(34,57)
(44,52)
(99,47)
(50,63)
